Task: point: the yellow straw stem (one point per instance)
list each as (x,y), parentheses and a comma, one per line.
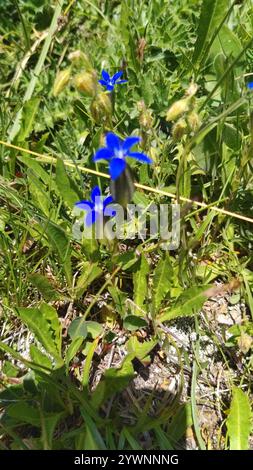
(49,159)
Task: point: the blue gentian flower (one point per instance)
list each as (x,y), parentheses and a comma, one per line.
(116,151)
(250,85)
(95,207)
(111,82)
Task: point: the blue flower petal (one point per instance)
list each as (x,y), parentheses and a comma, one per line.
(117,165)
(85,205)
(140,156)
(122,81)
(95,193)
(90,218)
(116,76)
(103,153)
(109,87)
(250,85)
(105,75)
(107,200)
(102,82)
(112,141)
(129,142)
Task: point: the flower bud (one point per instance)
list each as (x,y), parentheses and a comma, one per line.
(101,107)
(61,80)
(193,121)
(179,129)
(122,189)
(192,90)
(86,82)
(80,58)
(177,109)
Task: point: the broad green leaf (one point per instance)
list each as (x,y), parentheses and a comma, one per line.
(189,303)
(80,327)
(226,42)
(133,323)
(45,287)
(51,316)
(24,413)
(58,239)
(140,283)
(39,357)
(161,281)
(239,420)
(138,349)
(60,243)
(119,299)
(113,381)
(38,194)
(231,137)
(37,169)
(74,346)
(45,325)
(88,361)
(126,260)
(29,112)
(211,16)
(49,422)
(90,272)
(64,185)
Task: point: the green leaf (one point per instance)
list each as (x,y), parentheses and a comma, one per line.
(60,243)
(140,282)
(180,422)
(58,239)
(24,413)
(88,361)
(113,381)
(161,281)
(239,420)
(39,195)
(80,327)
(74,346)
(39,358)
(226,42)
(45,325)
(138,349)
(134,445)
(119,299)
(49,422)
(126,260)
(90,272)
(29,112)
(63,184)
(211,16)
(93,438)
(45,287)
(189,303)
(37,169)
(51,316)
(133,323)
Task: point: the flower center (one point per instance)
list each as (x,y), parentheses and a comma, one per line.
(119,153)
